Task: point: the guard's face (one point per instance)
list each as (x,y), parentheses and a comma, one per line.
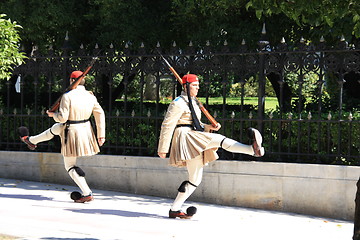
(194,88)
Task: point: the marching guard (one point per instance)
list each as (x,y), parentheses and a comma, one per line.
(76,133)
(191,144)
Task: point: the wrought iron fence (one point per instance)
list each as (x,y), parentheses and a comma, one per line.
(134,84)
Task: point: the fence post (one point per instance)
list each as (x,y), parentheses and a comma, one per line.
(262,71)
(65,55)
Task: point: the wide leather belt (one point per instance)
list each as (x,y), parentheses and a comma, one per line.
(77,121)
(184,125)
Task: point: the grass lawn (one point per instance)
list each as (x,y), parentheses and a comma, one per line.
(270,102)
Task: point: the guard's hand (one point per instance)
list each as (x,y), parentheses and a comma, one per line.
(50,114)
(101,141)
(218,126)
(162,155)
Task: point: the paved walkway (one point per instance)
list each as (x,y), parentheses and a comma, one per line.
(33,210)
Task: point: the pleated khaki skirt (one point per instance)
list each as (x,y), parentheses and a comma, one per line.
(188,144)
(81,141)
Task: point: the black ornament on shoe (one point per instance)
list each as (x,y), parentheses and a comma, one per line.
(75,195)
(24,137)
(23,131)
(190,211)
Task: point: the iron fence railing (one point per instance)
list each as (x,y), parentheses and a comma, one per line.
(132,86)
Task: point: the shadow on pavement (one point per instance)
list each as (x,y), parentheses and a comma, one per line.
(116,212)
(20,196)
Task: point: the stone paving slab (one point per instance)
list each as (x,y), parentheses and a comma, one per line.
(36,210)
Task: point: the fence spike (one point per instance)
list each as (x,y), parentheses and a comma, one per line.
(282,40)
(117,112)
(133,113)
(350,116)
(158,44)
(329,116)
(207,43)
(232,114)
(149,113)
(243,42)
(250,115)
(309,116)
(174,44)
(322,39)
(225,43)
(67,36)
(263,31)
(142,45)
(271,115)
(290,116)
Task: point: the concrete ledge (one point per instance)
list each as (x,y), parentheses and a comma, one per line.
(318,190)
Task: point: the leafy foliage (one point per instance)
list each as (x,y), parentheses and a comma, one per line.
(9,49)
(134,22)
(328,18)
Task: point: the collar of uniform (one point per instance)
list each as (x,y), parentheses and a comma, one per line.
(80,87)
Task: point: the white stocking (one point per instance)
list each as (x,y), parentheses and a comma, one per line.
(195,169)
(79,180)
(230,145)
(47,134)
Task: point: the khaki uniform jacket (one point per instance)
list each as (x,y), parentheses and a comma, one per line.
(183,142)
(79,104)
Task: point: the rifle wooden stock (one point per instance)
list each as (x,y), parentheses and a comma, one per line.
(212,120)
(72,86)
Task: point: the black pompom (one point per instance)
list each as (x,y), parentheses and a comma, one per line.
(75,195)
(190,211)
(23,131)
(251,133)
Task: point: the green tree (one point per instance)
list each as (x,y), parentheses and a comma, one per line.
(150,21)
(328,18)
(45,23)
(9,47)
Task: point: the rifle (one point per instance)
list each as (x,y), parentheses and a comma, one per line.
(212,120)
(73,85)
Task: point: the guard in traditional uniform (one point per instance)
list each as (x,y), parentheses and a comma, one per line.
(76,133)
(192,145)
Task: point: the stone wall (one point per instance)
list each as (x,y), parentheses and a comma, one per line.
(318,190)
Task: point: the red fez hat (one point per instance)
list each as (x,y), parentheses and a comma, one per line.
(189,78)
(76,74)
